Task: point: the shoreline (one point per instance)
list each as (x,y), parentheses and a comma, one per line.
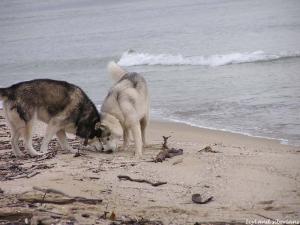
(281,141)
(220,132)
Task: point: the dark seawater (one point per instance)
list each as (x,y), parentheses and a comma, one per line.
(223,64)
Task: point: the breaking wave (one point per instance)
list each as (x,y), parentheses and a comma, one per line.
(132,58)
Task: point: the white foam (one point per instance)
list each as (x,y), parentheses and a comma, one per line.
(280,140)
(132,58)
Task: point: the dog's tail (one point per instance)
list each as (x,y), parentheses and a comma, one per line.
(115,71)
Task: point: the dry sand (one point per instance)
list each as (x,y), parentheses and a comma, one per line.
(249,178)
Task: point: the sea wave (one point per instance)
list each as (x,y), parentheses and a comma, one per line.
(132,58)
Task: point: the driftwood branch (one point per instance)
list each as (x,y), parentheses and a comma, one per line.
(11,214)
(155,184)
(141,221)
(69,199)
(166,152)
(35,199)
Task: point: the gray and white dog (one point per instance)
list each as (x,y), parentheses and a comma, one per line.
(125,109)
(63,106)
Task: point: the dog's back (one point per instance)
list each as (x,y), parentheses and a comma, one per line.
(50,98)
(28,96)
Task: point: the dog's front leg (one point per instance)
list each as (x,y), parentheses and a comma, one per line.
(62,139)
(125,139)
(50,131)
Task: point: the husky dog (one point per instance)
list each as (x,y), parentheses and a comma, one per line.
(63,106)
(125,109)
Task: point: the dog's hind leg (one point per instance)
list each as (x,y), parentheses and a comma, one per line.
(28,139)
(144,124)
(50,132)
(62,139)
(136,131)
(133,123)
(15,135)
(15,125)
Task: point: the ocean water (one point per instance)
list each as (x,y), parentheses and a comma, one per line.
(222,64)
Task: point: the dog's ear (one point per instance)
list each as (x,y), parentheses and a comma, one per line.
(84,129)
(101,130)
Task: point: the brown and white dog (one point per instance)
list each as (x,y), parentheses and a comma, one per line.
(63,106)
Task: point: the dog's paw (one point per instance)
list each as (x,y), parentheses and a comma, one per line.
(138,155)
(19,155)
(123,148)
(34,154)
(72,150)
(44,150)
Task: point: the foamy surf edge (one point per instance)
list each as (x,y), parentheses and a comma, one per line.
(132,58)
(280,140)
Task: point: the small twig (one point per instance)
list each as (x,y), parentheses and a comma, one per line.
(51,190)
(94,178)
(165,144)
(28,175)
(44,210)
(32,174)
(208,149)
(264,216)
(155,184)
(44,196)
(177,162)
(104,216)
(77,154)
(48,155)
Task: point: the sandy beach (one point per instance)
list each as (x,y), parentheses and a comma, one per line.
(250,179)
